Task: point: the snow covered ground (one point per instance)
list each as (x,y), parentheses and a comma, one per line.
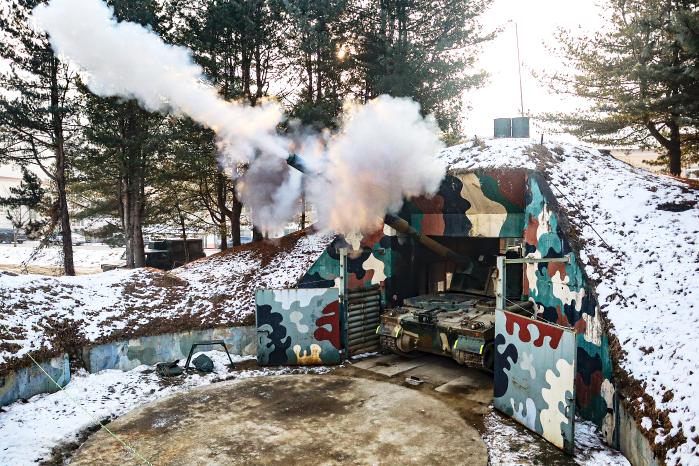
(88,257)
(639,245)
(510,444)
(644,252)
(30,431)
(55,423)
(119,304)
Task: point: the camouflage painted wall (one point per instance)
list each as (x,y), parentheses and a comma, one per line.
(533,380)
(562,295)
(370,261)
(489,204)
(298,326)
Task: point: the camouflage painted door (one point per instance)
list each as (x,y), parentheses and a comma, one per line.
(298,326)
(534,379)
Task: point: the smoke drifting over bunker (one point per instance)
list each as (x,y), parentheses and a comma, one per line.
(383,152)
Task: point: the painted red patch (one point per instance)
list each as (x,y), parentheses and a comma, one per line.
(511,184)
(429,205)
(530,232)
(562,318)
(553,267)
(525,336)
(585,393)
(582,394)
(525,283)
(354,283)
(432,224)
(369,240)
(331,317)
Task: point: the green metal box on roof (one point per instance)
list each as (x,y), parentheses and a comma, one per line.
(503,127)
(520,127)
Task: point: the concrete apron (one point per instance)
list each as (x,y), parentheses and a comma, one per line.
(294,419)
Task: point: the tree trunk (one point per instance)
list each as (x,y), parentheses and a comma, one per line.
(132,189)
(302,219)
(183,229)
(223,234)
(256,234)
(140,254)
(673,144)
(319,80)
(675,150)
(234,218)
(221,204)
(259,79)
(63,214)
(126,221)
(309,75)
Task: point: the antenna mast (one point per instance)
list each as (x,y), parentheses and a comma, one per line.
(519,65)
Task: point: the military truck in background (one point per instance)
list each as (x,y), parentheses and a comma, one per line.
(166,254)
(458,323)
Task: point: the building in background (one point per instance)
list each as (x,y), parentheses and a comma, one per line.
(640,158)
(10,177)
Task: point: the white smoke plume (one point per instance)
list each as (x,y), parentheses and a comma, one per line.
(383,152)
(272,190)
(125,59)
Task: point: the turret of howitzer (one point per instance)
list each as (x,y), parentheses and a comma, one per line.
(402,226)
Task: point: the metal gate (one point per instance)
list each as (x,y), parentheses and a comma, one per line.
(298,326)
(363,308)
(534,379)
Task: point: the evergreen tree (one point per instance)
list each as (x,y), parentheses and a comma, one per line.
(238,44)
(640,78)
(318,32)
(37,110)
(24,202)
(124,144)
(422,50)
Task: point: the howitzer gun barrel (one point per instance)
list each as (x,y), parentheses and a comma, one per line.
(404,227)
(400,225)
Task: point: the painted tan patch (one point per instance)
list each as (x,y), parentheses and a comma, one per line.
(486,216)
(372,263)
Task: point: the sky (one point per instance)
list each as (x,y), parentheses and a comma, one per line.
(537,21)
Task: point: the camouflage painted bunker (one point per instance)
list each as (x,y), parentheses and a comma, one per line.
(484,206)
(478,213)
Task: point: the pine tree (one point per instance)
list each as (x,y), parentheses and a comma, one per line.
(37,110)
(318,32)
(23,203)
(122,146)
(238,44)
(421,50)
(639,77)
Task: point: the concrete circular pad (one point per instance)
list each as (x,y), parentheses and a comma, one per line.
(294,419)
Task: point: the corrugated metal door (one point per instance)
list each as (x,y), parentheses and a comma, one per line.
(363,308)
(534,376)
(298,326)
